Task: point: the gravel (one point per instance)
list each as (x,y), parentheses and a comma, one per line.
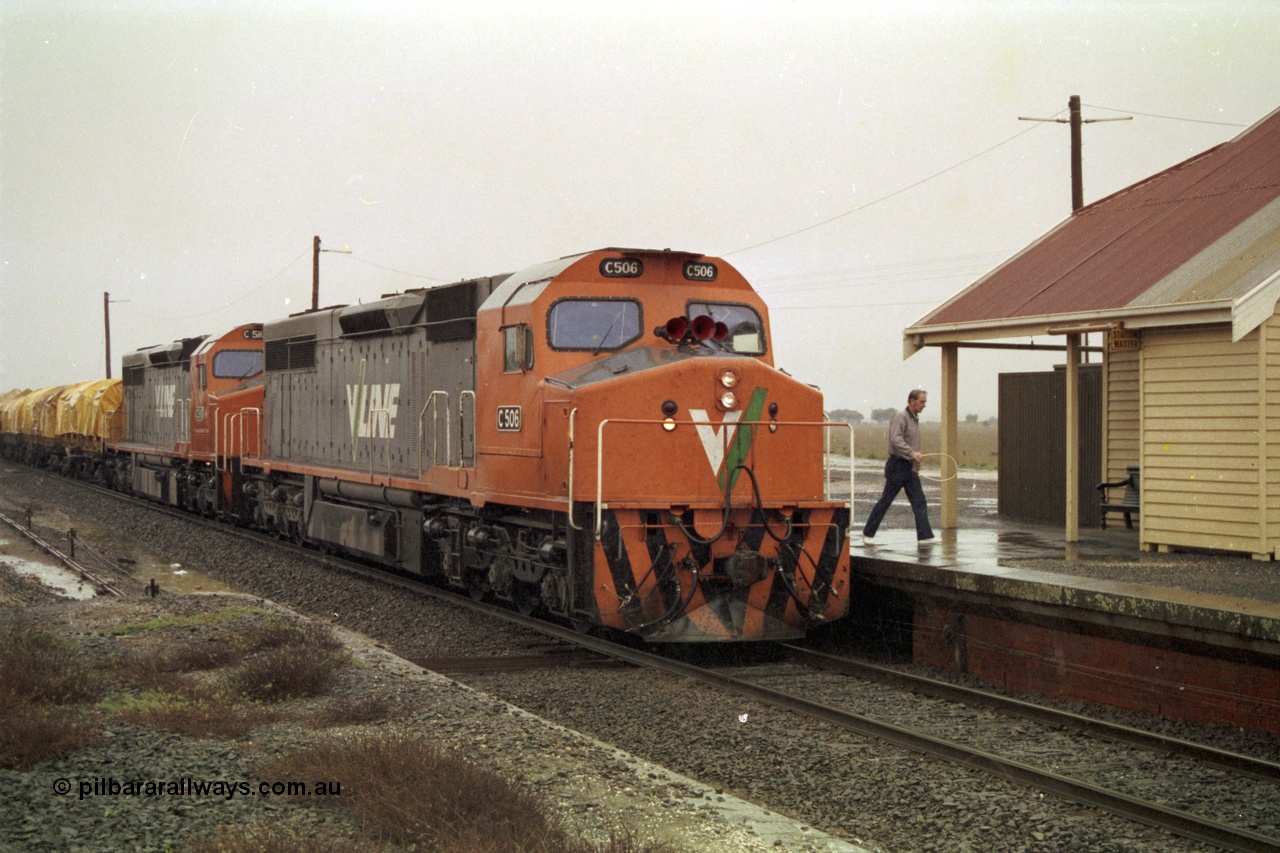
(599,788)
(859,790)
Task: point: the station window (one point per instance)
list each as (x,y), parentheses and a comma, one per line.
(593,324)
(517,348)
(746,332)
(237,364)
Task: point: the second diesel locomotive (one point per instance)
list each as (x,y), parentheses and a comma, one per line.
(603,437)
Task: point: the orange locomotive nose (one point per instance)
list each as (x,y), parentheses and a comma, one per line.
(740,543)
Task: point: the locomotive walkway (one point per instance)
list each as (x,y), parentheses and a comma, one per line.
(1189,636)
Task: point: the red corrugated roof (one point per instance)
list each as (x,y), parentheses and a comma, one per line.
(1111,252)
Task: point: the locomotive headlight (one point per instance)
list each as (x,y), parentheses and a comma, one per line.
(729,378)
(669,424)
(728,400)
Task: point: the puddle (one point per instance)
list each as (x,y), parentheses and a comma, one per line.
(57,578)
(173,577)
(131,555)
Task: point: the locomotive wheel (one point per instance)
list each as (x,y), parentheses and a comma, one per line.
(526,598)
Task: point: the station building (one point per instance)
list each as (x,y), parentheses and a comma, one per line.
(1179,275)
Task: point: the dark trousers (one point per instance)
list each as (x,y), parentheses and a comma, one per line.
(900,474)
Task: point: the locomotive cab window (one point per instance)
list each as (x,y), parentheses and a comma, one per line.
(746,331)
(517,348)
(593,324)
(237,364)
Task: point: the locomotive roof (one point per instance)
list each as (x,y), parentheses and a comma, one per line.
(509,292)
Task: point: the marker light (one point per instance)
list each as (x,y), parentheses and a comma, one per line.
(703,327)
(669,408)
(728,400)
(729,378)
(674,330)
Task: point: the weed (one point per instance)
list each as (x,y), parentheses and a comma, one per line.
(225,614)
(40,675)
(279,837)
(276,633)
(288,672)
(38,667)
(369,709)
(32,734)
(404,791)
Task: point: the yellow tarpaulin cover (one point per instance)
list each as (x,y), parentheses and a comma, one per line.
(90,409)
(98,408)
(39,413)
(9,402)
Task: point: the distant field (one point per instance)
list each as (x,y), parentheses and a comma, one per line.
(977,442)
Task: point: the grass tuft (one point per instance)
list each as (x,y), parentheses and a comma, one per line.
(404,791)
(279,837)
(288,672)
(41,675)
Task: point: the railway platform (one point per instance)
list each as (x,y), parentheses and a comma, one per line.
(1186,636)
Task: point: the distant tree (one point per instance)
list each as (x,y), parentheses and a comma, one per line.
(883,415)
(971,419)
(990,422)
(846,416)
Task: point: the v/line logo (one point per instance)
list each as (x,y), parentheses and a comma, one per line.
(372,410)
(726,447)
(164,399)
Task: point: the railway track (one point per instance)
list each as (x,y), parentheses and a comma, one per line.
(95,577)
(1183,823)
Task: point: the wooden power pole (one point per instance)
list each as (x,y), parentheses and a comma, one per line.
(1077,159)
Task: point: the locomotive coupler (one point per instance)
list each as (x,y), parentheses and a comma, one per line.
(744,566)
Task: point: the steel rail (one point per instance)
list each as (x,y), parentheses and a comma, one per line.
(71,564)
(1178,822)
(1234,762)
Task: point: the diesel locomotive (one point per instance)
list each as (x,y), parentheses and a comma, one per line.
(602,438)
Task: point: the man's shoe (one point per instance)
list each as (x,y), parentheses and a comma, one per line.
(930,541)
(868,540)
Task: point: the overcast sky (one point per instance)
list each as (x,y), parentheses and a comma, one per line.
(859,163)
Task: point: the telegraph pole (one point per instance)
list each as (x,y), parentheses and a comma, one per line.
(315,270)
(106,321)
(1071,490)
(1077,167)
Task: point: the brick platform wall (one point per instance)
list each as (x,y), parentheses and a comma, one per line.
(1059,664)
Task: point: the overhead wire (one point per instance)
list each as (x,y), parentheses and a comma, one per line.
(1170,118)
(231,302)
(886,197)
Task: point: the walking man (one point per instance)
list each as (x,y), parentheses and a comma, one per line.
(902,471)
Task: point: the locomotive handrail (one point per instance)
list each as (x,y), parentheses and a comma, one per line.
(726,438)
(233,420)
(257,416)
(218,464)
(462,428)
(573,416)
(826,469)
(435,433)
